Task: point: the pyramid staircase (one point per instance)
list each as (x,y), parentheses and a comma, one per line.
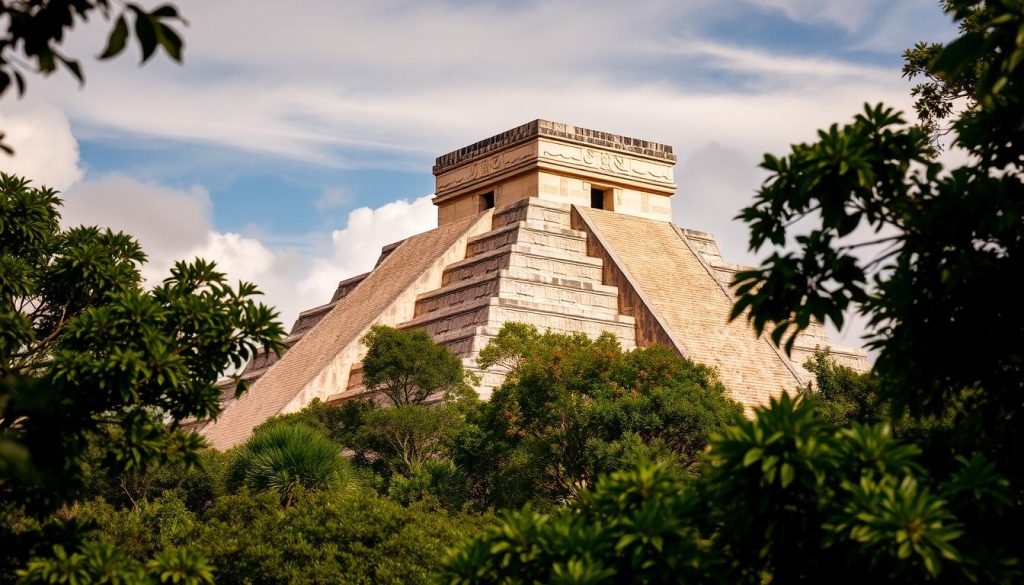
(531,267)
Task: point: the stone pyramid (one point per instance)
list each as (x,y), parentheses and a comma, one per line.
(561,227)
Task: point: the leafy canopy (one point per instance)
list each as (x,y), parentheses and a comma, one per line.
(407,367)
(90,358)
(786,498)
(86,350)
(573,408)
(935,286)
(940,96)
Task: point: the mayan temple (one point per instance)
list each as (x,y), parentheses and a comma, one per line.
(562,227)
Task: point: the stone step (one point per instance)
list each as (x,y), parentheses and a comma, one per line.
(526,232)
(538,210)
(457,293)
(520,285)
(467,343)
(348,285)
(307,320)
(524,257)
(494,312)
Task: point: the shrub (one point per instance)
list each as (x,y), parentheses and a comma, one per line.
(281,459)
(328,537)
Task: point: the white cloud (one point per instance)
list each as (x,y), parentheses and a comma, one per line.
(175,224)
(406,81)
(165,220)
(243,258)
(850,16)
(777,70)
(357,246)
(45,149)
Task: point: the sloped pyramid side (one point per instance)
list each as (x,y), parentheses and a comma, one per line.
(318,364)
(814,338)
(678,301)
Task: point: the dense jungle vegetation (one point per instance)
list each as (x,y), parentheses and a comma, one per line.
(589,464)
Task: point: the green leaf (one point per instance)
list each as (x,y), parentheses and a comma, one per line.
(959,55)
(170,41)
(146,33)
(117,39)
(752,456)
(165,11)
(72,66)
(786,474)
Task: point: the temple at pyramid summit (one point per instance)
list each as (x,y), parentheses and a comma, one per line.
(562,227)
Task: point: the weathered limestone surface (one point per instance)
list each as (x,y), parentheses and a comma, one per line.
(813,338)
(688,304)
(560,163)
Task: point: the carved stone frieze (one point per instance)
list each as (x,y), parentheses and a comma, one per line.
(485,166)
(604,161)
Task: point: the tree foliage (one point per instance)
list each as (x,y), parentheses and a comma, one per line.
(407,367)
(786,498)
(945,323)
(612,534)
(405,437)
(325,536)
(844,395)
(572,408)
(86,350)
(338,422)
(88,357)
(939,97)
(99,564)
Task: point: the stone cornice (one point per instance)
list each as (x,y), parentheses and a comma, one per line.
(559,131)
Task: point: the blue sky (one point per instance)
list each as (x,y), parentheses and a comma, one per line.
(294,142)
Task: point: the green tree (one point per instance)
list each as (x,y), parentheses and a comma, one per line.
(411,446)
(350,536)
(36,29)
(786,498)
(405,437)
(282,459)
(197,485)
(327,537)
(635,526)
(939,96)
(403,451)
(947,327)
(843,394)
(100,564)
(572,408)
(435,483)
(407,367)
(339,422)
(88,356)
